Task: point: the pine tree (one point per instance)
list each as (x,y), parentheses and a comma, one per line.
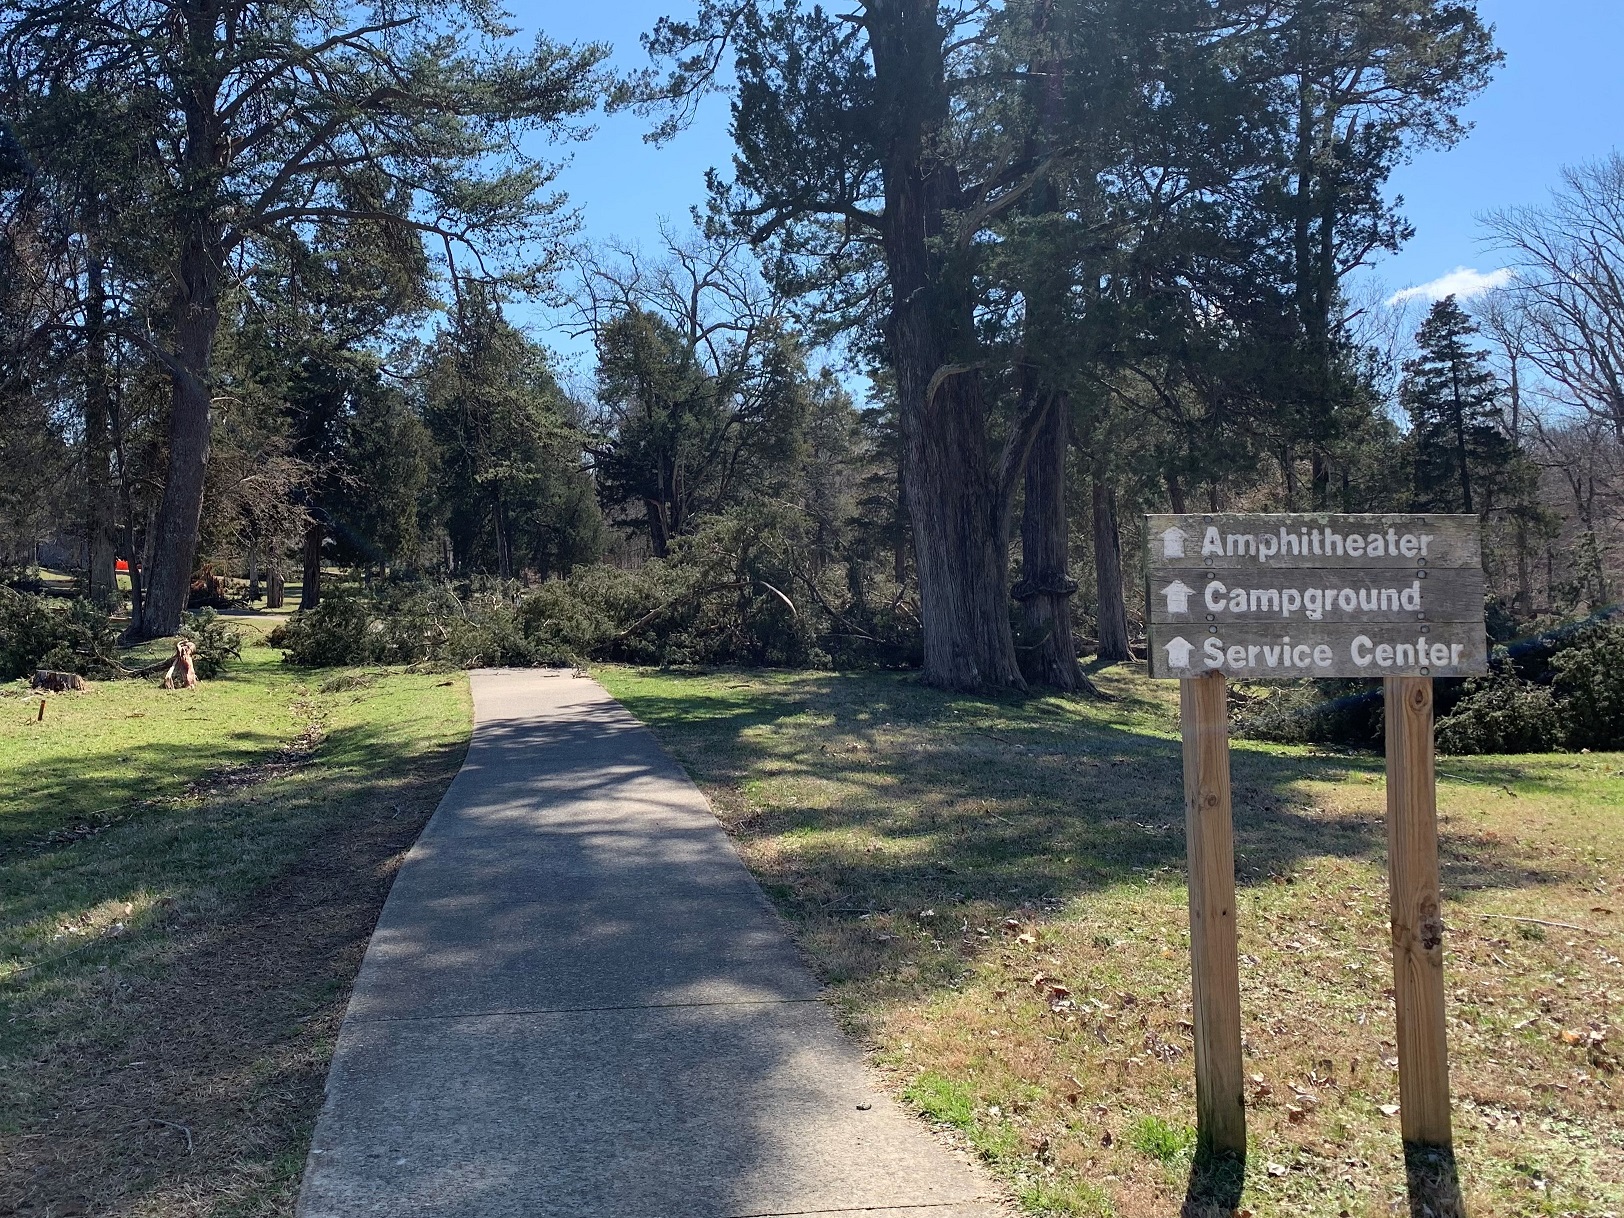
(1452,396)
(510,481)
(257,121)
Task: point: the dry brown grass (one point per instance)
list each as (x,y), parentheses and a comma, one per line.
(994,891)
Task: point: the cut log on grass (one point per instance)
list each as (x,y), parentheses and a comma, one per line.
(58,682)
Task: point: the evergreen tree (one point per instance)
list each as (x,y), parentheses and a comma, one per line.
(509,474)
(257,120)
(665,426)
(687,438)
(1452,397)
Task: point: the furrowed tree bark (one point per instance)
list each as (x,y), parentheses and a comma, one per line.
(99,517)
(1113,610)
(180,511)
(310,591)
(197,317)
(275,594)
(956,501)
(959,550)
(659,543)
(1046,586)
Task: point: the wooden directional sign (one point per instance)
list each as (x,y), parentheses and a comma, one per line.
(1258,596)
(1310,595)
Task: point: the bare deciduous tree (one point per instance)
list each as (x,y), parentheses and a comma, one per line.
(1569,260)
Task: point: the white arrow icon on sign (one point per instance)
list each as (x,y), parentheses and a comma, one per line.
(1178,596)
(1178,653)
(1173,542)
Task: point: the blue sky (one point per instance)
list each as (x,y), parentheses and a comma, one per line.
(1557,100)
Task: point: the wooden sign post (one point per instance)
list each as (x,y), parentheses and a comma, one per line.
(1280,596)
(1220,1101)
(1416,912)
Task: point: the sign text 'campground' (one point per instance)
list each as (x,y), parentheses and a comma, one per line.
(1259,596)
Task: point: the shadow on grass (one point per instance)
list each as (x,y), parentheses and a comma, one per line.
(183,1056)
(222,842)
(59,791)
(904,798)
(1434,1182)
(1215,1185)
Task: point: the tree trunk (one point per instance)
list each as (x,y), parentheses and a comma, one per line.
(1113,610)
(195,311)
(1320,475)
(504,557)
(1175,493)
(131,552)
(99,522)
(959,546)
(310,591)
(1523,602)
(197,317)
(137,588)
(253,571)
(901,528)
(1046,586)
(658,541)
(1458,413)
(958,498)
(275,588)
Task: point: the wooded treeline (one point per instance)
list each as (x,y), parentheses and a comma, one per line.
(262,264)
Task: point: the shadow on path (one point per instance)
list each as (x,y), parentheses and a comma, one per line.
(578,1002)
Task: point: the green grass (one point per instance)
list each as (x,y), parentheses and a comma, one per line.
(145,840)
(994,891)
(1164,1142)
(129,740)
(1074,1197)
(943,1100)
(101,808)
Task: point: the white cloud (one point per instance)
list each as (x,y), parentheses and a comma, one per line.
(1463,282)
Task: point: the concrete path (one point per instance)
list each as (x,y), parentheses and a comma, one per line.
(578,1002)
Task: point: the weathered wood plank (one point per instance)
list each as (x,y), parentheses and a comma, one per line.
(1416,913)
(1319,649)
(1292,596)
(1227,541)
(1214,965)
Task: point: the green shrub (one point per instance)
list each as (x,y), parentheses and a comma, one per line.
(1589,687)
(1502,713)
(704,605)
(333,633)
(29,628)
(1297,712)
(1561,688)
(410,625)
(44,632)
